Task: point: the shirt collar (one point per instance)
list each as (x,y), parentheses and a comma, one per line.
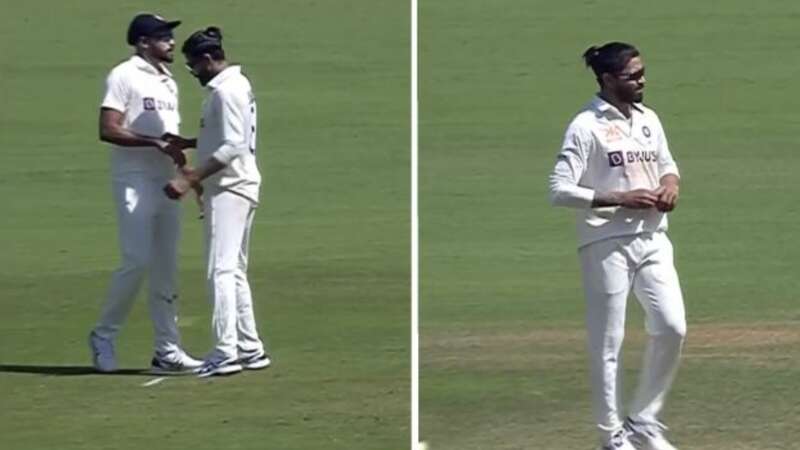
(145,66)
(224,75)
(603,107)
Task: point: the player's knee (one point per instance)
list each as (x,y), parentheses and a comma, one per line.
(136,264)
(611,342)
(675,330)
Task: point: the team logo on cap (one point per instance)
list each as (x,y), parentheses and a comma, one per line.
(646,131)
(149,104)
(616,159)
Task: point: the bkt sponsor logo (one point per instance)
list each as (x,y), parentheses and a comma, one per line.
(620,158)
(152,104)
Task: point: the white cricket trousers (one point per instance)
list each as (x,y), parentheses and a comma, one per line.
(612,267)
(228,222)
(148,233)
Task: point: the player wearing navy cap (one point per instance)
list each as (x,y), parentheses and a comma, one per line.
(139,117)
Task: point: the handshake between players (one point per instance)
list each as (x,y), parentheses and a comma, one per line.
(173,146)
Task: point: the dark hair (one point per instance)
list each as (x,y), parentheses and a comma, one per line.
(208,41)
(609,58)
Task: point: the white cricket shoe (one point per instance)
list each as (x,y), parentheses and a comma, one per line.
(218,366)
(646,436)
(102,350)
(176,362)
(255,361)
(619,441)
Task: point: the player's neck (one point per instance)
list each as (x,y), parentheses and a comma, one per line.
(218,68)
(152,61)
(623,107)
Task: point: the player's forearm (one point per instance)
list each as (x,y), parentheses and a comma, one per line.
(208,168)
(564,189)
(670,180)
(565,192)
(571,196)
(602,199)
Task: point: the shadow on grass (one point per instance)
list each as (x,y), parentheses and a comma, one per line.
(66,370)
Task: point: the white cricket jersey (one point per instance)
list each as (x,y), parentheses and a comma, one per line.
(149,100)
(228,134)
(605,151)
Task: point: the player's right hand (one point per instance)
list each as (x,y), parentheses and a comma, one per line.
(638,199)
(178,141)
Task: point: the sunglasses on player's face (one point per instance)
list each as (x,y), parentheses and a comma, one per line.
(191,66)
(634,76)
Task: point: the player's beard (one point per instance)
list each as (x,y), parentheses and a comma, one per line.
(167,57)
(630,95)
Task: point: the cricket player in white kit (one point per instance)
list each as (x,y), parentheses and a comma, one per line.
(226,155)
(616,170)
(139,116)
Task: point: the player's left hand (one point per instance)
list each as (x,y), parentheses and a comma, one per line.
(667,197)
(177,187)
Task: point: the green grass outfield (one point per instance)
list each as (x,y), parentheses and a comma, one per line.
(503,360)
(329,259)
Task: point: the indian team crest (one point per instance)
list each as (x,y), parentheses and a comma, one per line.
(646,131)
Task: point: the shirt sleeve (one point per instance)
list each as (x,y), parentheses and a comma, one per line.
(571,164)
(177,96)
(233,127)
(666,164)
(117,93)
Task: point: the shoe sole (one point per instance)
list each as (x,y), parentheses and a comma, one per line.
(162,371)
(257,365)
(228,369)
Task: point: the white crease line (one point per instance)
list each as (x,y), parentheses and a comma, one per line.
(153,382)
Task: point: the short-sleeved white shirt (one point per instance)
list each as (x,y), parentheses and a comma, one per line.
(605,151)
(149,100)
(228,134)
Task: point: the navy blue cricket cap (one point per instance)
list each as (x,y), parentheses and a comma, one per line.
(150,25)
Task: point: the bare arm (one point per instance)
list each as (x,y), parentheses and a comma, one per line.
(208,168)
(112,131)
(635,199)
(180,140)
(191,178)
